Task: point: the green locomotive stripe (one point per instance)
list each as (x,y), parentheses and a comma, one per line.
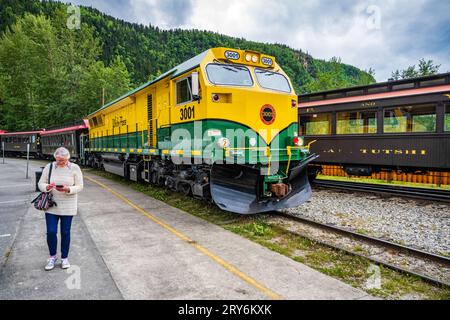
(136,140)
(135,143)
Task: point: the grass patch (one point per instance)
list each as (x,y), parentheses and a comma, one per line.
(348,268)
(359,249)
(363,232)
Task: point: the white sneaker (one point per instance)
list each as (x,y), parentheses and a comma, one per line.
(65,264)
(50,264)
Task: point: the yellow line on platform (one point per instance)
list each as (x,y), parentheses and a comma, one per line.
(200,248)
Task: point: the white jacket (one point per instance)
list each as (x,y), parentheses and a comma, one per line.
(71,176)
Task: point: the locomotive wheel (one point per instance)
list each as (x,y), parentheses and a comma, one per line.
(154,178)
(184,188)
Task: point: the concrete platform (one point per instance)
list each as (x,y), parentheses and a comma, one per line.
(126,245)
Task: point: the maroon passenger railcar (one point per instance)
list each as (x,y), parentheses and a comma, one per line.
(401,126)
(15,143)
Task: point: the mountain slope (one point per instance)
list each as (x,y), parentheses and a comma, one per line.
(148,51)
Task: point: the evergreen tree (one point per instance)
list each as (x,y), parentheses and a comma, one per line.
(50,74)
(425,68)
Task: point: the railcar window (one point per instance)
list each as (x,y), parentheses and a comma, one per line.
(409,85)
(315,124)
(378,89)
(334,95)
(357,122)
(447,118)
(435,82)
(354,93)
(229,75)
(316,98)
(272,81)
(410,119)
(184,94)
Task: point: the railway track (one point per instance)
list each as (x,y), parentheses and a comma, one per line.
(416,193)
(412,252)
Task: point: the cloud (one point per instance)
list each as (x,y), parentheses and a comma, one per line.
(384,35)
(164,14)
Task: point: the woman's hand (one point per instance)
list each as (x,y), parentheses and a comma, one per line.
(51,186)
(64,189)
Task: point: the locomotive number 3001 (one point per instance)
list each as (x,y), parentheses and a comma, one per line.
(187,113)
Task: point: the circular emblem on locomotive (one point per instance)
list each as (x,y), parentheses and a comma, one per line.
(268,114)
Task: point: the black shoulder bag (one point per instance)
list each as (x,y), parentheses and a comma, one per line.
(44,200)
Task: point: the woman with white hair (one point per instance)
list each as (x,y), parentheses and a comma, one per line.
(66,181)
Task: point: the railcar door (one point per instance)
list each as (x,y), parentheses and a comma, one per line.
(83,140)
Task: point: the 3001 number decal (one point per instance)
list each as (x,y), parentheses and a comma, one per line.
(187,113)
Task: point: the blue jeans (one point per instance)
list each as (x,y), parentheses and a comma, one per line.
(52,234)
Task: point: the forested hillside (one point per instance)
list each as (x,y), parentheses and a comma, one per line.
(50,74)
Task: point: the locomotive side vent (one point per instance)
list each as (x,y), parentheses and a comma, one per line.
(150,120)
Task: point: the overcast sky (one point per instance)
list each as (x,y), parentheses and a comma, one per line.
(381,34)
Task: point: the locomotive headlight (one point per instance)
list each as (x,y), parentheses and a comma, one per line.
(255,59)
(299,141)
(215,97)
(223,143)
(248,57)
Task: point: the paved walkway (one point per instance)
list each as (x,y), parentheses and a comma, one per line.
(127,245)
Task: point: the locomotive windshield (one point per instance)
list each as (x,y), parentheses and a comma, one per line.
(229,75)
(273,81)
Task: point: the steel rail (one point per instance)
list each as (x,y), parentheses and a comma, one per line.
(377,241)
(410,192)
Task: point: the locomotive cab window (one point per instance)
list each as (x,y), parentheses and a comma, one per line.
(272,81)
(357,122)
(447,118)
(229,75)
(315,124)
(420,119)
(184,91)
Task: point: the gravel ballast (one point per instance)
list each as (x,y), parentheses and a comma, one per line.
(420,224)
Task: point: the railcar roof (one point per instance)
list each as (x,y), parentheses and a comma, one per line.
(19,133)
(68,129)
(175,72)
(444,76)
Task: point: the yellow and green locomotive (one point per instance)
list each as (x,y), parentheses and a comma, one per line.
(222,126)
